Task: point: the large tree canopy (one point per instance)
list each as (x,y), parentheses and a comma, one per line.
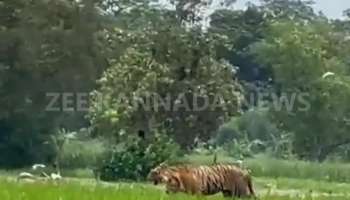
(171,66)
(304,59)
(45,46)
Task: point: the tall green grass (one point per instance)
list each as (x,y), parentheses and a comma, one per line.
(79,190)
(301,185)
(270,167)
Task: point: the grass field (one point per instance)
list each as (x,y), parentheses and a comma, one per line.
(88,189)
(273,180)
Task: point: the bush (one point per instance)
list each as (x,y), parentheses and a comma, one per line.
(281,146)
(134,158)
(226,134)
(238,149)
(254,133)
(254,124)
(340,154)
(82,153)
(257,125)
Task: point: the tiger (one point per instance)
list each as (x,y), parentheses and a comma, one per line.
(205,180)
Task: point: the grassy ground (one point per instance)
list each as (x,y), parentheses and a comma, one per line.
(273,180)
(87,189)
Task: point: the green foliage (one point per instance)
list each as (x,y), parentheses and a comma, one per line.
(255,124)
(176,71)
(281,146)
(226,134)
(300,10)
(242,29)
(270,167)
(138,50)
(134,158)
(254,133)
(45,46)
(82,153)
(301,56)
(340,154)
(239,149)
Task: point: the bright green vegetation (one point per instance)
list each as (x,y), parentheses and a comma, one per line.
(302,185)
(284,189)
(269,167)
(278,48)
(126,50)
(268,187)
(260,166)
(273,179)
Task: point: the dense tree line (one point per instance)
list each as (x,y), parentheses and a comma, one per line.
(137,47)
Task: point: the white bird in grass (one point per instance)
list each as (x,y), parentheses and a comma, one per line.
(37,166)
(239,163)
(25,175)
(325,75)
(55,176)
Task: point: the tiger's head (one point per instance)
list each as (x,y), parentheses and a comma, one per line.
(158,174)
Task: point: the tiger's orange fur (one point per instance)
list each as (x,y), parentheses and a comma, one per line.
(182,181)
